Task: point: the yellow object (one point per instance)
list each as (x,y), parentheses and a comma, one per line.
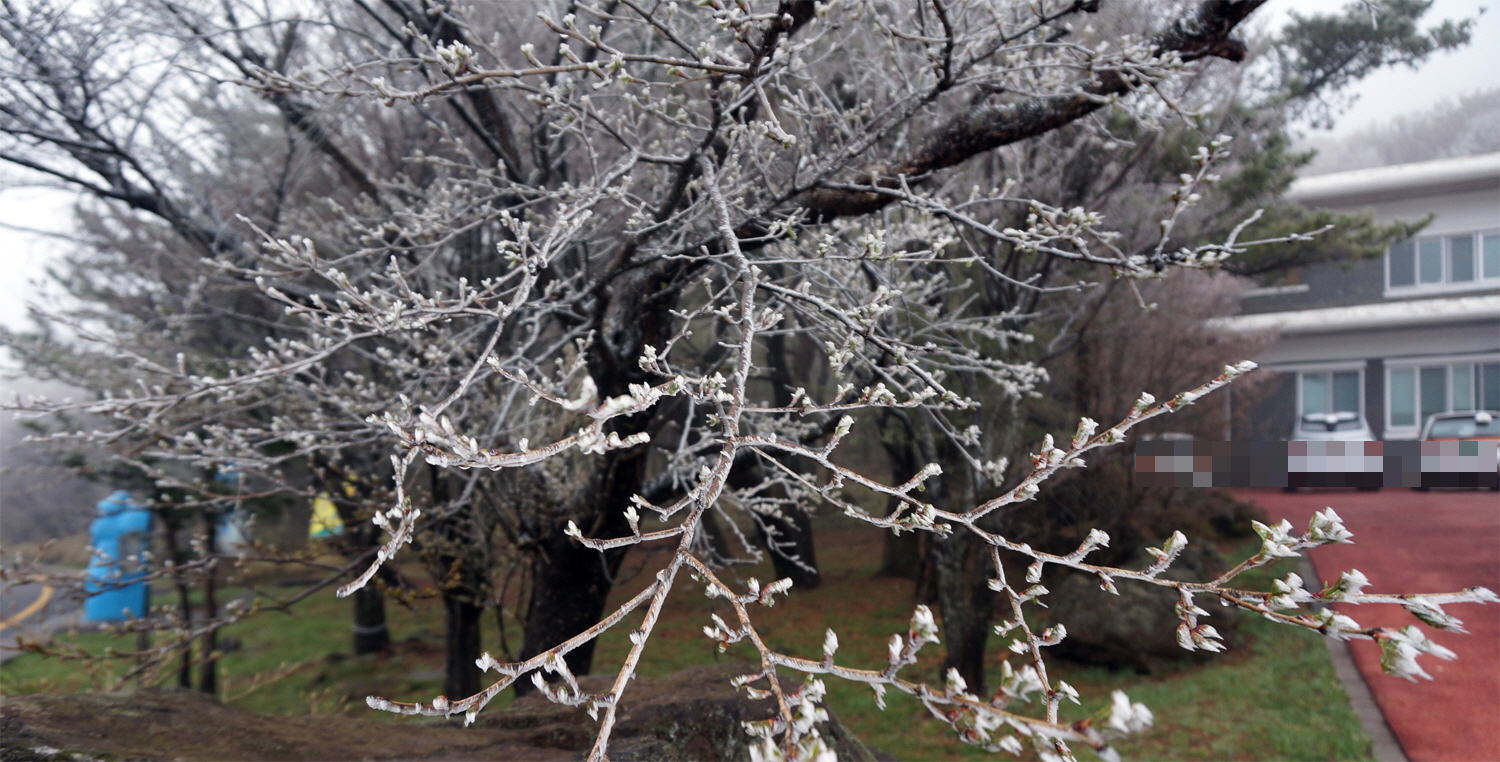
(41,600)
(325,518)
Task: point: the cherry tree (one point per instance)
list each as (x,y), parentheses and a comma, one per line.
(639,271)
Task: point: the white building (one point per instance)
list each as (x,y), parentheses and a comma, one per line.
(1414,333)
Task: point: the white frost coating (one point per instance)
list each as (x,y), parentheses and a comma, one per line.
(636,233)
(923,627)
(1399,650)
(1289,593)
(1126,717)
(1348,587)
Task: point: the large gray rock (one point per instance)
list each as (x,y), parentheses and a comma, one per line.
(1136,629)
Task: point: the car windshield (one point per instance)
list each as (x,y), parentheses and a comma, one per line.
(1331,422)
(1463,428)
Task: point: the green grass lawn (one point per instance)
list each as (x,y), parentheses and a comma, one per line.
(1276,697)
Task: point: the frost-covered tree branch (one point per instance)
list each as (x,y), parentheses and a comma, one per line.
(565,285)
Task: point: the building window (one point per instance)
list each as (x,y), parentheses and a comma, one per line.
(1461,259)
(1414,393)
(1403,389)
(1468,260)
(1433,395)
(1463,387)
(1488,392)
(1331,392)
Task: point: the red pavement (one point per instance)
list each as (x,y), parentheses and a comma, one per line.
(1411,542)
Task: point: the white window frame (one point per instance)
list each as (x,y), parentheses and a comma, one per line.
(1416,364)
(1330,369)
(1445,284)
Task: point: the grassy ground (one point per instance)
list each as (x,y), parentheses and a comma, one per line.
(1274,698)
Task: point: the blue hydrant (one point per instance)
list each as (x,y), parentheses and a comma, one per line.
(120,535)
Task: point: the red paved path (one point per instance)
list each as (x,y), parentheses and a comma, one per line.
(1409,542)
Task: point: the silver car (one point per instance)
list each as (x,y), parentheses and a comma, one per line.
(1346,426)
(1472,424)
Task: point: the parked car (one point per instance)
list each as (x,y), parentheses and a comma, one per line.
(1346,426)
(1476,424)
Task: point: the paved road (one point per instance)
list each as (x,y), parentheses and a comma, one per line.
(1409,542)
(22,602)
(31,609)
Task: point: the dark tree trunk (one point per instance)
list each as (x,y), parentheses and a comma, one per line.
(461,541)
(462,646)
(794,532)
(571,583)
(953,571)
(208,672)
(902,556)
(568,596)
(370,633)
(967,605)
(908,555)
(791,548)
(962,566)
(793,539)
(170,526)
(142,645)
(713,535)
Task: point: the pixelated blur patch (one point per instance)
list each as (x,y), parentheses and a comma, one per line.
(1367,465)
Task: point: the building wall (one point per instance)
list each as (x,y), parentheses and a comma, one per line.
(1471,206)
(1363,282)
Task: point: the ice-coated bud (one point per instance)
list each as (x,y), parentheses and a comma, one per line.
(923,627)
(1350,584)
(1326,527)
(1086,429)
(1067,691)
(1141,403)
(1276,541)
(1289,593)
(955,682)
(1238,369)
(1125,716)
(1399,650)
(843,427)
(1107,584)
